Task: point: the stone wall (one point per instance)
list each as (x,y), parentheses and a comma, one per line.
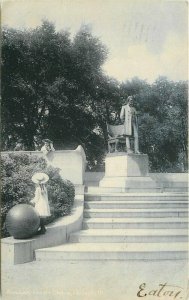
(71,163)
(17,251)
(72,167)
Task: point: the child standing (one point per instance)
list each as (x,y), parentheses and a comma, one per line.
(41,198)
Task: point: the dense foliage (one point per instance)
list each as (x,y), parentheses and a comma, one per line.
(163,108)
(17,187)
(53,86)
(47,80)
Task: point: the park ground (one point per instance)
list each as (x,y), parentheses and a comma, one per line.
(95,280)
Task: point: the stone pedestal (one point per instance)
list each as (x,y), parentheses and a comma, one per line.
(128,171)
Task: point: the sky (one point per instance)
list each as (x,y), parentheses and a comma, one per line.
(145,38)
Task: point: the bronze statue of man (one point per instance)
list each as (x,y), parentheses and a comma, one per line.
(128,114)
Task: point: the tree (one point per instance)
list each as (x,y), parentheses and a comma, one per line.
(46,82)
(31,60)
(53,86)
(163,123)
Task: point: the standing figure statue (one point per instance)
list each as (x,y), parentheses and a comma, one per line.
(128,114)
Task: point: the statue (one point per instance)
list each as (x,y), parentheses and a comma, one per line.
(128,114)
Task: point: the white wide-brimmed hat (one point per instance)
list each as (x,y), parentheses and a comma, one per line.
(40,178)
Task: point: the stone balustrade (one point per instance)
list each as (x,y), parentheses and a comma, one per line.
(70,162)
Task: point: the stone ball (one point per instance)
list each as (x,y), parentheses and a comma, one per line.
(22,221)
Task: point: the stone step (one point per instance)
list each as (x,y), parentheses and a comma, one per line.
(136,204)
(129,236)
(94,189)
(177,189)
(96,196)
(141,223)
(135,212)
(114,251)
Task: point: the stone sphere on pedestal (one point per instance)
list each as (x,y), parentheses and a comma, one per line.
(22,221)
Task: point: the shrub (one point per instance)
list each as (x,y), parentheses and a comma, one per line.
(17,187)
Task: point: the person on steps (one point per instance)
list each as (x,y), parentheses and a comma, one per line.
(40,201)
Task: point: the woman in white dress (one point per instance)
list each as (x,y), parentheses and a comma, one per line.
(40,200)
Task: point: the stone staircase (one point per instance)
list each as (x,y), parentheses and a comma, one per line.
(126,226)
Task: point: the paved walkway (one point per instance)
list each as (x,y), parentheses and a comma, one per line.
(95,280)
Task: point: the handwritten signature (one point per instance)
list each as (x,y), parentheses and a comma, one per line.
(164,289)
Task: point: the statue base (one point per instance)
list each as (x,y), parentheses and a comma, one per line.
(129,171)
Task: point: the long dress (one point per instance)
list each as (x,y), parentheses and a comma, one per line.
(41,201)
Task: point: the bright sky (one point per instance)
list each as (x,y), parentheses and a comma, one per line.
(145,38)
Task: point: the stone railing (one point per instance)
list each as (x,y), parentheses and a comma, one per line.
(70,162)
(17,251)
(72,167)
